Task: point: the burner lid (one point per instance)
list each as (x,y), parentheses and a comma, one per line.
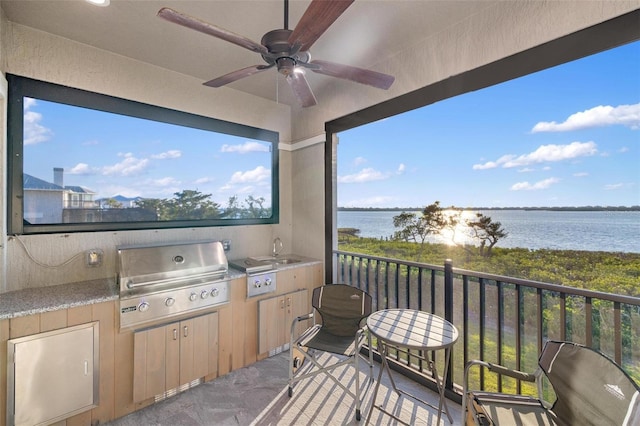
(251,265)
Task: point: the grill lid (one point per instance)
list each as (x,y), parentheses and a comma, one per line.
(145,265)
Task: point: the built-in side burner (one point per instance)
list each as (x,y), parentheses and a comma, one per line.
(261,275)
(162,281)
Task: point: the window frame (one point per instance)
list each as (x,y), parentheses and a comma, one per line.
(20,87)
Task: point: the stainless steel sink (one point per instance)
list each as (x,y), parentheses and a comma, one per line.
(286,260)
(278,260)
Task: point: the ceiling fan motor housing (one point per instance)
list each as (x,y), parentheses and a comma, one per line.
(281,53)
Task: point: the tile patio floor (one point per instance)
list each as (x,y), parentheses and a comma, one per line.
(257,395)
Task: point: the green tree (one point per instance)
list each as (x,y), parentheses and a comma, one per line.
(189,204)
(234,209)
(488,232)
(418,228)
(112,203)
(151,204)
(256,207)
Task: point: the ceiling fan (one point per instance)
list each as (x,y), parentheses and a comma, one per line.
(288,50)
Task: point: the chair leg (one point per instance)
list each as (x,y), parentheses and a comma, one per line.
(370,356)
(356,362)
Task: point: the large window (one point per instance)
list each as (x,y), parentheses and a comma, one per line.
(82,161)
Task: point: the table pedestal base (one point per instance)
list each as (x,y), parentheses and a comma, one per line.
(384,351)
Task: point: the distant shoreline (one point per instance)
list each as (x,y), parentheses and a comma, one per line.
(555,209)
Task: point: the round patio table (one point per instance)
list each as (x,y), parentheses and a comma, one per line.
(415,330)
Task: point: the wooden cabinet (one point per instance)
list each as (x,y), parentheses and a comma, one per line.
(168,356)
(275,315)
(104,313)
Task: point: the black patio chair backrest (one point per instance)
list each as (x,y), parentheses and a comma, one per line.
(342,308)
(589,386)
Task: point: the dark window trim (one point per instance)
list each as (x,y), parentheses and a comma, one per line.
(20,87)
(598,38)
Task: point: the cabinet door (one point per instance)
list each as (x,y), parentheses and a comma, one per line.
(271,318)
(172,356)
(178,353)
(299,306)
(149,364)
(195,347)
(275,316)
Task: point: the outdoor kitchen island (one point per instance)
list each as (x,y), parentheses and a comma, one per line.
(33,311)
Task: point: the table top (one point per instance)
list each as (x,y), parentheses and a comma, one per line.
(412,329)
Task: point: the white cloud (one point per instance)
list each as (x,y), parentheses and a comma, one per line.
(365,175)
(127,167)
(203,180)
(359,160)
(545,153)
(613,186)
(245,148)
(259,174)
(81,169)
(164,182)
(526,186)
(378,201)
(526,170)
(34,132)
(602,115)
(401,168)
(173,153)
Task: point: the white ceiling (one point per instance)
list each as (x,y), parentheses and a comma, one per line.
(369,33)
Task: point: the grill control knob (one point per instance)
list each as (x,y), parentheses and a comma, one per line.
(204,294)
(267,281)
(193,297)
(215,292)
(143,307)
(257,284)
(169,301)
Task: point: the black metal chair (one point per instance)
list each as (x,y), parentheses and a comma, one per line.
(341,331)
(590,389)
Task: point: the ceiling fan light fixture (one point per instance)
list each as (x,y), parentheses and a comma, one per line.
(101,3)
(286,65)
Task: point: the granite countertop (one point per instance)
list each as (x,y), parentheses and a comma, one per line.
(33,301)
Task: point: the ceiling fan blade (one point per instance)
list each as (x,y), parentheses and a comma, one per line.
(316,19)
(236,75)
(348,72)
(206,28)
(301,89)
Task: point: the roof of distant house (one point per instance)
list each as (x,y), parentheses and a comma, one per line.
(33,183)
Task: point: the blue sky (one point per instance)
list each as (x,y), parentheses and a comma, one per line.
(117,155)
(566,136)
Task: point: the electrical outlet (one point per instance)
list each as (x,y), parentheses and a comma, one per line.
(94,257)
(226,245)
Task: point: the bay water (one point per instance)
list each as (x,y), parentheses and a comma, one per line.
(610,231)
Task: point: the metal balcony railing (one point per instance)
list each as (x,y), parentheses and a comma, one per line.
(501,319)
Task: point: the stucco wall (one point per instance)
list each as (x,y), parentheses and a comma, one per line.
(46,57)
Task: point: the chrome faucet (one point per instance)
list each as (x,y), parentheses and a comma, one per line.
(277,246)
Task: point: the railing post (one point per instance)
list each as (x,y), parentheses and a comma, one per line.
(448,312)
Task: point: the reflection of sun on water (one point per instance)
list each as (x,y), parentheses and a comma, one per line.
(460,234)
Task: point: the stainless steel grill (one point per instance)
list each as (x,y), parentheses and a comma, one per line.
(163,281)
